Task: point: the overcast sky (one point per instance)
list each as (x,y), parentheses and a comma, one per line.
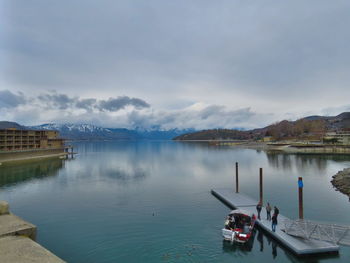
(180,63)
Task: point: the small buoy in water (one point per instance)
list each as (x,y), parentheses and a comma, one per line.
(152,214)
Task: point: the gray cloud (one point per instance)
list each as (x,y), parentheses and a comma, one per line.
(115,104)
(131,113)
(210,110)
(212,116)
(87,104)
(271,56)
(115,113)
(332,111)
(60,101)
(11,100)
(259,48)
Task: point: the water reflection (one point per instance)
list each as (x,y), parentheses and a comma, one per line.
(280,160)
(260,238)
(144,201)
(302,161)
(11,174)
(271,243)
(135,174)
(124,165)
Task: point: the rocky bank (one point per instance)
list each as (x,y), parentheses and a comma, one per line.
(341,181)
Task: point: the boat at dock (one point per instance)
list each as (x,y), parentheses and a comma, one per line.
(239,226)
(287,230)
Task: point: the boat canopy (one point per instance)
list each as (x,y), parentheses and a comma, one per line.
(240,212)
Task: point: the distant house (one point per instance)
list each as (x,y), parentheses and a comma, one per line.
(18,140)
(341,138)
(267,139)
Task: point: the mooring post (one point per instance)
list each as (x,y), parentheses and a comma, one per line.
(261,186)
(301,206)
(236,177)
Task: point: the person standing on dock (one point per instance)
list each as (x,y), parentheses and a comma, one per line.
(258,208)
(274,222)
(268,212)
(276,212)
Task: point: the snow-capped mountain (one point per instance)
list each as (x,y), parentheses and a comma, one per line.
(90,132)
(87,131)
(71,127)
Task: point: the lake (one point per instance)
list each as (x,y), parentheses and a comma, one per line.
(150,201)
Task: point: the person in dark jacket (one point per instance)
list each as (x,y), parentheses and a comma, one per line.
(258,208)
(276,212)
(274,222)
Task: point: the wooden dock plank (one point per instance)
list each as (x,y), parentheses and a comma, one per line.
(297,245)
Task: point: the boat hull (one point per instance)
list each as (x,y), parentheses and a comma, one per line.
(236,235)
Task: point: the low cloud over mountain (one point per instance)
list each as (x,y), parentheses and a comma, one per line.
(122,111)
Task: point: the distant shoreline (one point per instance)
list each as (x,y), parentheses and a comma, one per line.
(284,147)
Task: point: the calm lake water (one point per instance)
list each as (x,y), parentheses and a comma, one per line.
(151,202)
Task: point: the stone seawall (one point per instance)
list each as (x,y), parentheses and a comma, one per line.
(17,240)
(321,149)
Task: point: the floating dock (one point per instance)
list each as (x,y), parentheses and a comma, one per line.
(297,245)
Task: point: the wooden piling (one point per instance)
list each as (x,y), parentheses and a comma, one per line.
(261,185)
(236,177)
(301,205)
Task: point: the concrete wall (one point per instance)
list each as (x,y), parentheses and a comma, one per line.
(17,241)
(17,155)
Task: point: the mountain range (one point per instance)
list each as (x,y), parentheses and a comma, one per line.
(308,127)
(93,132)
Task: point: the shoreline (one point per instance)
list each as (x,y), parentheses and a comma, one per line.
(341,181)
(283,147)
(34,158)
(24,156)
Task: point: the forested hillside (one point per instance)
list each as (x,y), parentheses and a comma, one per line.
(312,127)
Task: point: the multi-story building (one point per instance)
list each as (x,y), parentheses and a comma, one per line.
(19,140)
